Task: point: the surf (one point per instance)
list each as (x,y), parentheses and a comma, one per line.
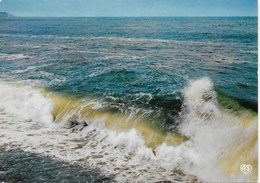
(224,137)
(210,143)
(68,109)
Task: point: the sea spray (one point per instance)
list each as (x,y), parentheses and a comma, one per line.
(25,103)
(214,132)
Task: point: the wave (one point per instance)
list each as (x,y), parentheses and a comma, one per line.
(25,103)
(14,57)
(236,104)
(67,109)
(221,140)
(211,143)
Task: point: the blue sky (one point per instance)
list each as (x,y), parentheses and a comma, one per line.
(91,8)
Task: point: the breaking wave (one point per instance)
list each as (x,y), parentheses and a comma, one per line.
(210,144)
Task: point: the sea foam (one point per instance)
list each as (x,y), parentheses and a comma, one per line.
(214,136)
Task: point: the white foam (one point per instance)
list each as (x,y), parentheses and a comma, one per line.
(211,132)
(25,103)
(124,154)
(14,57)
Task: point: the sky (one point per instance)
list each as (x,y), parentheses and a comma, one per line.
(111,8)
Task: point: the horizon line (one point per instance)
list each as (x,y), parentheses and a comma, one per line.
(157,16)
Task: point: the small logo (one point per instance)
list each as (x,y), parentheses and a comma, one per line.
(246,168)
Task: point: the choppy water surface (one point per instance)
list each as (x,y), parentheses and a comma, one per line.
(18,166)
(134,99)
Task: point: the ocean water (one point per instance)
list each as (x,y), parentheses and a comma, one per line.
(130,99)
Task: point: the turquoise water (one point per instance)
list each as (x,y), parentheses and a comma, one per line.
(133,64)
(125,57)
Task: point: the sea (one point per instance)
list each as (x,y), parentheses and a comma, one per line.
(128,99)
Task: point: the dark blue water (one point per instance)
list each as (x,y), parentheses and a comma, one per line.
(19,166)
